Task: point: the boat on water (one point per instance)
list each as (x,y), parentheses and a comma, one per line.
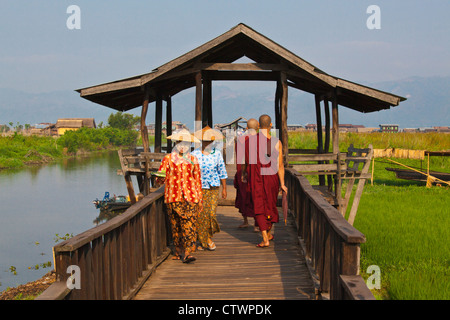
(112,203)
(418,175)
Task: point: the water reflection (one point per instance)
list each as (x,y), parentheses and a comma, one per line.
(105,215)
(41,201)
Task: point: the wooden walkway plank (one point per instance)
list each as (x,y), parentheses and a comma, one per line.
(236,269)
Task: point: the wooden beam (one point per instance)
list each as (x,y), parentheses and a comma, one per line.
(284,115)
(373,93)
(169,123)
(239,67)
(243,75)
(158,124)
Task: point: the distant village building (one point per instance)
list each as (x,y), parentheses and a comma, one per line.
(427,129)
(367,130)
(176,125)
(295,127)
(442,129)
(343,128)
(350,127)
(70,124)
(44,129)
(389,128)
(410,130)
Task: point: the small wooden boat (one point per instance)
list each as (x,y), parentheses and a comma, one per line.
(112,204)
(418,175)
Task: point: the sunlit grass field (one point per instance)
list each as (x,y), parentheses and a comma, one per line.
(406,224)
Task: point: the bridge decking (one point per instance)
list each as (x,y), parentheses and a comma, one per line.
(236,269)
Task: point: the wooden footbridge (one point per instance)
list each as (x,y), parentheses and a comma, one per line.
(314,256)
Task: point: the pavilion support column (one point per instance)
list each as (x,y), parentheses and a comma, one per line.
(335,136)
(198,101)
(326,146)
(144,130)
(277,106)
(169,123)
(158,123)
(284,116)
(319,135)
(207,102)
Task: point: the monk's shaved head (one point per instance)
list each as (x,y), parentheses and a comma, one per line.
(265,121)
(252,124)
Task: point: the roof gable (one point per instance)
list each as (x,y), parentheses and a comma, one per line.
(216,57)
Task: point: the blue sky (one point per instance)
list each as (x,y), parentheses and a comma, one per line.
(120,39)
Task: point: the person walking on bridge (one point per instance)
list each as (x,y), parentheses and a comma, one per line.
(264,171)
(182,194)
(243,200)
(214,175)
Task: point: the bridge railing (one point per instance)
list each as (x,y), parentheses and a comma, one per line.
(113,260)
(331,245)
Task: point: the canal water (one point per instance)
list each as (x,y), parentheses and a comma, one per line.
(41,204)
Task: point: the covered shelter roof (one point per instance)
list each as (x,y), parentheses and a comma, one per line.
(215,60)
(76,123)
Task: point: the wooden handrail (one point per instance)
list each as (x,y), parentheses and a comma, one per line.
(114,258)
(330,244)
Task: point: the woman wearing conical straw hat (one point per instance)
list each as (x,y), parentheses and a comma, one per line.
(183,193)
(214,175)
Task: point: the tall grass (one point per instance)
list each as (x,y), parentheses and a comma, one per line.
(431,141)
(407,231)
(406,224)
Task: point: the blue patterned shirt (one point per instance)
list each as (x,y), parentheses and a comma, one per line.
(212,167)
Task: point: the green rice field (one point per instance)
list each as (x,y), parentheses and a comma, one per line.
(406,224)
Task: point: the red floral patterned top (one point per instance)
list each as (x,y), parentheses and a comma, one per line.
(183,178)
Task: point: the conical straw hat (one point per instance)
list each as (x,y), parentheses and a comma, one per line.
(209,134)
(183,135)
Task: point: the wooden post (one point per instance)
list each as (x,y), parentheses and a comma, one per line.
(277,106)
(207,102)
(326,146)
(127,176)
(284,116)
(169,123)
(144,131)
(319,135)
(158,123)
(198,101)
(327,126)
(335,136)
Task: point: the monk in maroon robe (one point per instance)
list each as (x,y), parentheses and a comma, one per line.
(264,171)
(243,199)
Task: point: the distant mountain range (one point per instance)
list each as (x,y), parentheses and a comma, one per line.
(427,104)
